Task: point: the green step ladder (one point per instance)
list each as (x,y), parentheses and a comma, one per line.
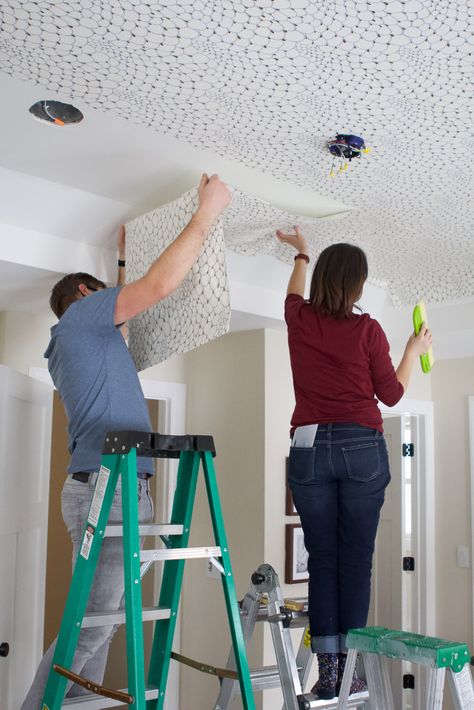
(120,459)
(442,657)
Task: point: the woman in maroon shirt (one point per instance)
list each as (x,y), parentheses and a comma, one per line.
(338,468)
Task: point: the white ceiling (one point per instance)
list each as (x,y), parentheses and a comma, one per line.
(251,89)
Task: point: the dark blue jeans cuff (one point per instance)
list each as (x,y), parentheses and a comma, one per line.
(325,644)
(343,643)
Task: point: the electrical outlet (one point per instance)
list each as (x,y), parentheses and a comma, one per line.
(463,556)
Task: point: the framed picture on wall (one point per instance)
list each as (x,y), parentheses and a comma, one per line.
(296,556)
(289,505)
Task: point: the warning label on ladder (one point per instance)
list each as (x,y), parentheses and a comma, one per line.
(98,498)
(87,542)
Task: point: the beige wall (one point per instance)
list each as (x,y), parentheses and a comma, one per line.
(225,399)
(279,404)
(25,337)
(173,370)
(453,382)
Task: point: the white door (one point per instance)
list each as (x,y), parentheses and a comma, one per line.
(25,435)
(394,590)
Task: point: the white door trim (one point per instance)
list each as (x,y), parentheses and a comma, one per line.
(426,497)
(471,464)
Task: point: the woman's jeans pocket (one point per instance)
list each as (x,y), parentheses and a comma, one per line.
(363,461)
(301,464)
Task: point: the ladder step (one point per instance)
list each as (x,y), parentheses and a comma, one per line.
(97,702)
(179,553)
(162,529)
(263,678)
(111,618)
(354,701)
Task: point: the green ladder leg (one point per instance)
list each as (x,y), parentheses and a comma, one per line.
(227,578)
(133,587)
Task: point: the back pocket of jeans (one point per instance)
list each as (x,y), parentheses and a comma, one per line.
(362,461)
(301,464)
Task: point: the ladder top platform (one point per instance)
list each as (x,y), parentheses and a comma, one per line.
(156,445)
(425,650)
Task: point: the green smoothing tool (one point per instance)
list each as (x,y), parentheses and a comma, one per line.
(420,317)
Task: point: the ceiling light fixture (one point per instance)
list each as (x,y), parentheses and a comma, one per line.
(346,147)
(56,112)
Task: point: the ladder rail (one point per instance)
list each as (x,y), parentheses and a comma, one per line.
(132,578)
(227,580)
(290,679)
(183,502)
(248,618)
(461,687)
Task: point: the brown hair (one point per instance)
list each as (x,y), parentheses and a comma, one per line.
(66,290)
(337,281)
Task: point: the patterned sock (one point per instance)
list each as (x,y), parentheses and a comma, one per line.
(325,688)
(357,685)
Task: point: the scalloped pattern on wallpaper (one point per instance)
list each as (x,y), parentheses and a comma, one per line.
(199,310)
(267,82)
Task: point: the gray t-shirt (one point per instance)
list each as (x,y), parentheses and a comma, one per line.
(96,379)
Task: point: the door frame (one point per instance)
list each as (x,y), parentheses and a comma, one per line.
(171,420)
(426,507)
(470,404)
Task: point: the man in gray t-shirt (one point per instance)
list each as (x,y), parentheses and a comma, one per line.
(96,379)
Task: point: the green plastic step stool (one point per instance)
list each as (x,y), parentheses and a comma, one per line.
(443,657)
(120,459)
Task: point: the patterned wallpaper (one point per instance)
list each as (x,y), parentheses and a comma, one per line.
(267,83)
(199,309)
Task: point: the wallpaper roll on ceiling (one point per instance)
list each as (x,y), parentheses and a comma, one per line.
(199,310)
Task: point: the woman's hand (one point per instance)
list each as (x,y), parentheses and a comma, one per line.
(421,343)
(416,345)
(296,284)
(296,240)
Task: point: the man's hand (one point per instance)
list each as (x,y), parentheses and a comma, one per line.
(175,262)
(214,197)
(296,240)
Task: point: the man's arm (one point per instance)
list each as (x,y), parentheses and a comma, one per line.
(121,255)
(297,280)
(172,266)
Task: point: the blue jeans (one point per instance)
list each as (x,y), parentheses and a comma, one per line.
(338,488)
(107,589)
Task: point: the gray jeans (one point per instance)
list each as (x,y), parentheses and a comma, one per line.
(107,589)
